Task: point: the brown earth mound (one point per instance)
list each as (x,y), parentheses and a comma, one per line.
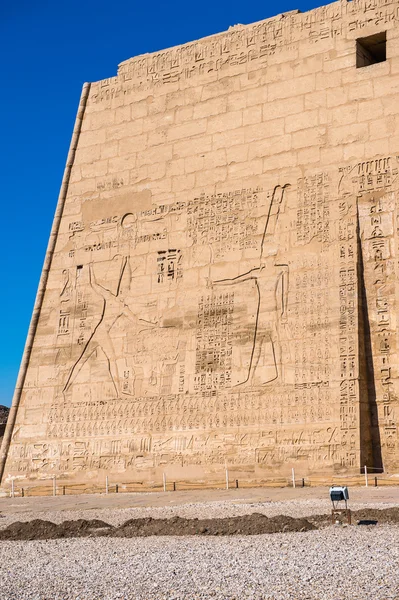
(380,515)
(46,530)
(254,524)
(247,525)
(385,515)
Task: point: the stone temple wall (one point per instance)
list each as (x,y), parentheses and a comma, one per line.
(223,288)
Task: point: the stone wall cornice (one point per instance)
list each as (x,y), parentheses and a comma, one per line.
(249,44)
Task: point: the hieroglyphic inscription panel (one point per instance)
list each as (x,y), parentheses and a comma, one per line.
(184,355)
(218,349)
(377,206)
(222,291)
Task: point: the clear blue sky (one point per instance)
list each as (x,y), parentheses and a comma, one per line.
(47,51)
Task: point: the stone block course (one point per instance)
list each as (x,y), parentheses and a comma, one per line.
(187,130)
(285,89)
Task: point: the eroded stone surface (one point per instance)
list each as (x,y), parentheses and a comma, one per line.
(4,410)
(223,287)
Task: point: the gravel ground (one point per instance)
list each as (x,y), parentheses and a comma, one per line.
(202,510)
(337,563)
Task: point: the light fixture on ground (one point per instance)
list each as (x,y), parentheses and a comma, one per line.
(338,494)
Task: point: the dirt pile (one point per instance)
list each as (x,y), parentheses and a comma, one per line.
(380,515)
(385,515)
(39,529)
(254,524)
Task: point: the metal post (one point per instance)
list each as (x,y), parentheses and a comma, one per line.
(116,488)
(164,481)
(174,486)
(54,486)
(375,481)
(227,479)
(63,490)
(237,484)
(293,477)
(12,489)
(365,476)
(106,484)
(303,482)
(23,493)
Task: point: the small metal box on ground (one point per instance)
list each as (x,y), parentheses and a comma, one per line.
(339,515)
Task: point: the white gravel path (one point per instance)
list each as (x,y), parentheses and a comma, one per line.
(353,563)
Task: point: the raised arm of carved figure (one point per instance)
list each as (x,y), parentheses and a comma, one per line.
(252,274)
(282,292)
(125,273)
(99,289)
(125,310)
(273,214)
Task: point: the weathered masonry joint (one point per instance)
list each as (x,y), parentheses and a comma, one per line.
(221,285)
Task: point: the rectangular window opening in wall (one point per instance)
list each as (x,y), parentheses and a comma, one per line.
(371,49)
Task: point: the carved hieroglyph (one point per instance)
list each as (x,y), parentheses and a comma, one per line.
(223,275)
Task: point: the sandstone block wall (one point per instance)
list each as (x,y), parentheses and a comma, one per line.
(223,289)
